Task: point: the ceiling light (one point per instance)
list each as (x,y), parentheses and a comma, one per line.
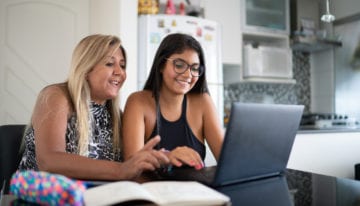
(327,17)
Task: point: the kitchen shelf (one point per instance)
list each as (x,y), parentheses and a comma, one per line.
(233,74)
(314,45)
(268,80)
(264,11)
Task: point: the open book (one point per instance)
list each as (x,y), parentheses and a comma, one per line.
(157,192)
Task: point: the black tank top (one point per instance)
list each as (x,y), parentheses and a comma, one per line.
(178,133)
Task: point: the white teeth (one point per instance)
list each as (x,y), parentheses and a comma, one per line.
(184,81)
(115,82)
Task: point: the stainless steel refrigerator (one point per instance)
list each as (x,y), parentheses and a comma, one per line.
(153,28)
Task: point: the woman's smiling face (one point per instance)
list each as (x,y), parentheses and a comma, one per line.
(180,83)
(107,77)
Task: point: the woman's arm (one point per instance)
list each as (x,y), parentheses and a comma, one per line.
(133,124)
(213,132)
(138,122)
(49,120)
(204,122)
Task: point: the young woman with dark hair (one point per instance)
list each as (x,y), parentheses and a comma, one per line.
(176,105)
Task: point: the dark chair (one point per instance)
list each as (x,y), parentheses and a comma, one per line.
(10,151)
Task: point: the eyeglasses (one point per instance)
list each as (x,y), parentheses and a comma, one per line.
(180,67)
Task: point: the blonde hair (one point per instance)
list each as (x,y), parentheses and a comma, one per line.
(89,51)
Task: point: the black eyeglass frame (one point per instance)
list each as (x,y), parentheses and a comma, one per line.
(188,66)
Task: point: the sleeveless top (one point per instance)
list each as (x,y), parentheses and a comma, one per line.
(178,133)
(100,142)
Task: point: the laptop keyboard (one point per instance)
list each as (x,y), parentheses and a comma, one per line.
(205,175)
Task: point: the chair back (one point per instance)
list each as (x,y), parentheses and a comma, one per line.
(10,151)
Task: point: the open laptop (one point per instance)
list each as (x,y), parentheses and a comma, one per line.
(257,145)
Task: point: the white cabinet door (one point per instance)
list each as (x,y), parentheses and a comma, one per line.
(36,42)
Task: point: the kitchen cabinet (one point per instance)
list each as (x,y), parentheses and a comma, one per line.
(255,40)
(267,56)
(263,15)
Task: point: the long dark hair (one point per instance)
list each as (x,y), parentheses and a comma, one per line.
(174,44)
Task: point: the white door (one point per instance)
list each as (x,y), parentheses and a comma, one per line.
(36,42)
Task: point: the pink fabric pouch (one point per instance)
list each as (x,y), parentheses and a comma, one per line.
(46,188)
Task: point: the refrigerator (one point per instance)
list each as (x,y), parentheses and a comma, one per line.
(153,28)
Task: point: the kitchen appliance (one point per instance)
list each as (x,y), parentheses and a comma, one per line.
(267,61)
(153,28)
(328,121)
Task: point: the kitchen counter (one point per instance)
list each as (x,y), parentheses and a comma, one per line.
(329,152)
(307,130)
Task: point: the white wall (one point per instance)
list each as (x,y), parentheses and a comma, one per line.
(129,36)
(322,63)
(322,82)
(119,18)
(344,8)
(347,96)
(340,8)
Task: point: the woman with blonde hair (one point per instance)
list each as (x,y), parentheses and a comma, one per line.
(75,126)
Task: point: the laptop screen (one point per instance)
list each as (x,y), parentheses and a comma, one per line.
(258,141)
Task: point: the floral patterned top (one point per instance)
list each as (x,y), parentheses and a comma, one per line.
(100,142)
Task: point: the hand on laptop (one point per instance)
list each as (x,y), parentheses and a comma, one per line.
(185,156)
(147,159)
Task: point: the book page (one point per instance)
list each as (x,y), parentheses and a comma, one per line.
(184,193)
(116,192)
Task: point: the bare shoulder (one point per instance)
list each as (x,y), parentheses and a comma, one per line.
(54,96)
(53,105)
(139,116)
(55,89)
(200,104)
(201,100)
(140,99)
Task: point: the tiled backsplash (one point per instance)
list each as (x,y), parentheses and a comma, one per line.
(298,93)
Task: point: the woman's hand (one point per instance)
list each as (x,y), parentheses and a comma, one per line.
(185,155)
(146,159)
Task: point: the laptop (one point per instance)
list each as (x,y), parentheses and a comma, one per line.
(257,145)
